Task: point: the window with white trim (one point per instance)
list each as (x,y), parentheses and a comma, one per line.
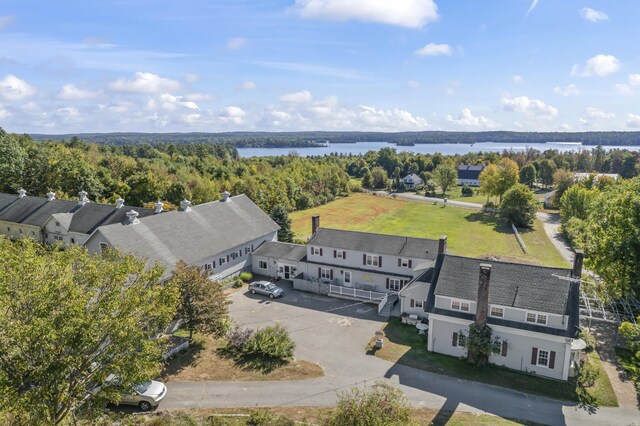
(222,260)
(543,357)
(458,305)
(417,303)
(497,312)
(325,273)
(57,223)
(496,347)
(207,267)
(247,250)
(339,254)
(372,260)
(404,263)
(262,264)
(316,251)
(536,318)
(395,284)
(462,340)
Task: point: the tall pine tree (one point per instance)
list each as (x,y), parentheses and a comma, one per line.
(280,216)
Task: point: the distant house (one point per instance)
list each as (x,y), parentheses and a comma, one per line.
(582,176)
(412,181)
(533,311)
(469,175)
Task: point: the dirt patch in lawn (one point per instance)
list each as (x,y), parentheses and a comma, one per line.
(205,361)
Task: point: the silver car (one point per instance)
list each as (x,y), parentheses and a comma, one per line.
(146,395)
(267,288)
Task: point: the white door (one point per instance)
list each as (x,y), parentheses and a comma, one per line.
(347,279)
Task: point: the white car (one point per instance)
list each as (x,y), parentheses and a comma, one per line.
(146,395)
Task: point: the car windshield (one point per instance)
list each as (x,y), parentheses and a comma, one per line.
(142,387)
(271,286)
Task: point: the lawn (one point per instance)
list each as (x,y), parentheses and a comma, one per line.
(455,193)
(206,360)
(403,345)
(470,232)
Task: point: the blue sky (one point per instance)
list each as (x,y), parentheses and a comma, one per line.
(385,65)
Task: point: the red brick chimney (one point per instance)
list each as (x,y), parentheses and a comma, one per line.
(482,304)
(315,224)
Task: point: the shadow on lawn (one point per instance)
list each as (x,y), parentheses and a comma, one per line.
(182,360)
(490,220)
(264,365)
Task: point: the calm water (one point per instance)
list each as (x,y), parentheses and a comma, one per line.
(443,148)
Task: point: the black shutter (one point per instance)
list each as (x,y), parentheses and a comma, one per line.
(214,264)
(344,255)
(319,272)
(387,283)
(410,263)
(412,304)
(331,272)
(364,259)
(424,305)
(504,348)
(335,254)
(455,339)
(320,251)
(399,262)
(534,356)
(379,261)
(227,258)
(552,359)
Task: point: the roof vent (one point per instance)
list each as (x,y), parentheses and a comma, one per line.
(159,206)
(51,196)
(184,205)
(225,197)
(21,193)
(83,198)
(119,203)
(132,217)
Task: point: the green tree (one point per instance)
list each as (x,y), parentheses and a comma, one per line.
(496,179)
(562,180)
(378,178)
(576,203)
(13,157)
(203,305)
(528,175)
(70,319)
(546,169)
(379,405)
(397,180)
(280,216)
(519,205)
(445,177)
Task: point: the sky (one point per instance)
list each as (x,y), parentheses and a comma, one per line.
(285,65)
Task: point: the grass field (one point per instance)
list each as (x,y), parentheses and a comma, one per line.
(470,233)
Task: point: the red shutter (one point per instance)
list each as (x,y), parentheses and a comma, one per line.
(387,283)
(379,261)
(552,359)
(455,339)
(412,303)
(410,263)
(534,356)
(344,255)
(364,259)
(335,254)
(320,251)
(399,262)
(505,345)
(331,273)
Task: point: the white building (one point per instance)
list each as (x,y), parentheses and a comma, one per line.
(469,175)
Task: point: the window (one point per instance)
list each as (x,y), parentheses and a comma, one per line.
(457,305)
(543,357)
(404,263)
(394,284)
(247,250)
(340,254)
(103,246)
(416,303)
(222,260)
(316,251)
(8,229)
(57,223)
(371,260)
(262,264)
(347,276)
(73,240)
(497,312)
(207,267)
(325,273)
(496,347)
(537,318)
(459,339)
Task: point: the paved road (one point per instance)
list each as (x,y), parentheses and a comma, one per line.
(333,333)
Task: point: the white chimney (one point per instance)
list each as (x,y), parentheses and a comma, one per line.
(83,198)
(184,205)
(119,203)
(225,197)
(132,217)
(51,196)
(21,193)
(159,206)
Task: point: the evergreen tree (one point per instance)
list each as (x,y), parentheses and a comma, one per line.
(280,216)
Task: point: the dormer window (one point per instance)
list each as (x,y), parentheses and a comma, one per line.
(536,318)
(316,251)
(497,312)
(458,305)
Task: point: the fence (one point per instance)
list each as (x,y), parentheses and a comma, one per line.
(519,238)
(356,293)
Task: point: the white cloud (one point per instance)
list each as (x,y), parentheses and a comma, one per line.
(247,85)
(195,96)
(4,113)
(534,3)
(297,97)
(598,66)
(404,13)
(434,49)
(413,84)
(624,89)
(169,102)
(593,15)
(237,43)
(517,79)
(570,90)
(13,88)
(467,119)
(232,115)
(598,114)
(634,79)
(145,82)
(71,92)
(6,20)
(632,121)
(533,108)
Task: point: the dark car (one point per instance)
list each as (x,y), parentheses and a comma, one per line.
(267,288)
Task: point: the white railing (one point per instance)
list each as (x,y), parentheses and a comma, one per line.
(383,303)
(356,292)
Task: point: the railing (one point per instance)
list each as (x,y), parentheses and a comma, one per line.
(383,303)
(356,293)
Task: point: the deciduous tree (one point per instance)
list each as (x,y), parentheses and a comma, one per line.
(528,175)
(519,205)
(496,179)
(445,177)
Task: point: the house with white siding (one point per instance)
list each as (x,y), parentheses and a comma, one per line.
(412,181)
(469,175)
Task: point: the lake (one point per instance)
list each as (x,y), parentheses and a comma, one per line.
(443,148)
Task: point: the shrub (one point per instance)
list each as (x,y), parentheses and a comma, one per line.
(379,405)
(237,282)
(589,339)
(588,375)
(271,342)
(246,276)
(261,417)
(237,338)
(466,191)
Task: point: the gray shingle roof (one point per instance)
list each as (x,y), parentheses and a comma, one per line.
(285,251)
(421,248)
(206,230)
(21,209)
(90,216)
(522,286)
(40,216)
(6,199)
(469,172)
